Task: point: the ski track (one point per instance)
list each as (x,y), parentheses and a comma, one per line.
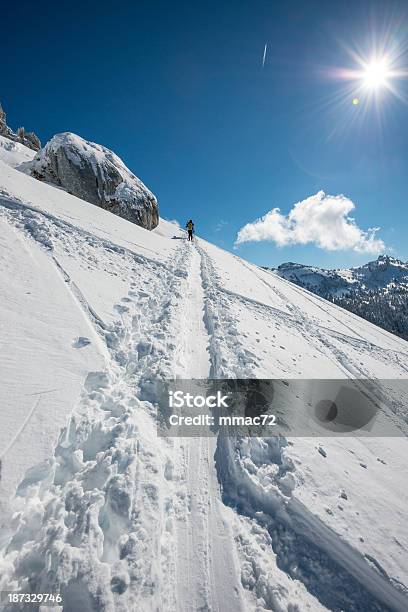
(153,524)
(323,304)
(331,344)
(353,584)
(207,576)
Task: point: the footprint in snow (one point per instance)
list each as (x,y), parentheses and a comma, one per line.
(363,465)
(80,342)
(121,309)
(95,381)
(119,584)
(322,451)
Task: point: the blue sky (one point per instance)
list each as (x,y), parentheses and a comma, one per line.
(178,90)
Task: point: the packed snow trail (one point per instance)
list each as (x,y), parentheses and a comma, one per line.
(207,575)
(195,349)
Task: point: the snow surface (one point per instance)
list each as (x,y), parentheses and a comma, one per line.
(96,506)
(14,153)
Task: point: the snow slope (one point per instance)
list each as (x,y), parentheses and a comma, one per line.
(94,310)
(14,153)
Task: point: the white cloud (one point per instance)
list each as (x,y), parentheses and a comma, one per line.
(321,220)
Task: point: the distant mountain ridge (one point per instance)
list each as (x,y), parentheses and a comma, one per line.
(377,291)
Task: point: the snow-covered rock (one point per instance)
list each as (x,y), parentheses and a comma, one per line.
(95,174)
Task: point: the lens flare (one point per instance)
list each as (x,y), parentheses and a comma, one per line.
(368,80)
(376,73)
(380,72)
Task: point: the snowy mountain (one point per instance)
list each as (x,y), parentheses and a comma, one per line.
(384,273)
(377,291)
(95,174)
(97,507)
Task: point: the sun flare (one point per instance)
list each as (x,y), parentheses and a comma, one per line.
(376,73)
(374,76)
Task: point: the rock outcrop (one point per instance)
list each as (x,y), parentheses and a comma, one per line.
(29,139)
(95,174)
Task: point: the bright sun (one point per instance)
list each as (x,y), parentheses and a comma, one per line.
(375,74)
(372,76)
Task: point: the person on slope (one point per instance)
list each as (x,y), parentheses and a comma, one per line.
(190,229)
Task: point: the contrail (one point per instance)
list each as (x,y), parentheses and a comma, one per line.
(264,55)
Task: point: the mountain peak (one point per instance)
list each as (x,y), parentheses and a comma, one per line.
(391,259)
